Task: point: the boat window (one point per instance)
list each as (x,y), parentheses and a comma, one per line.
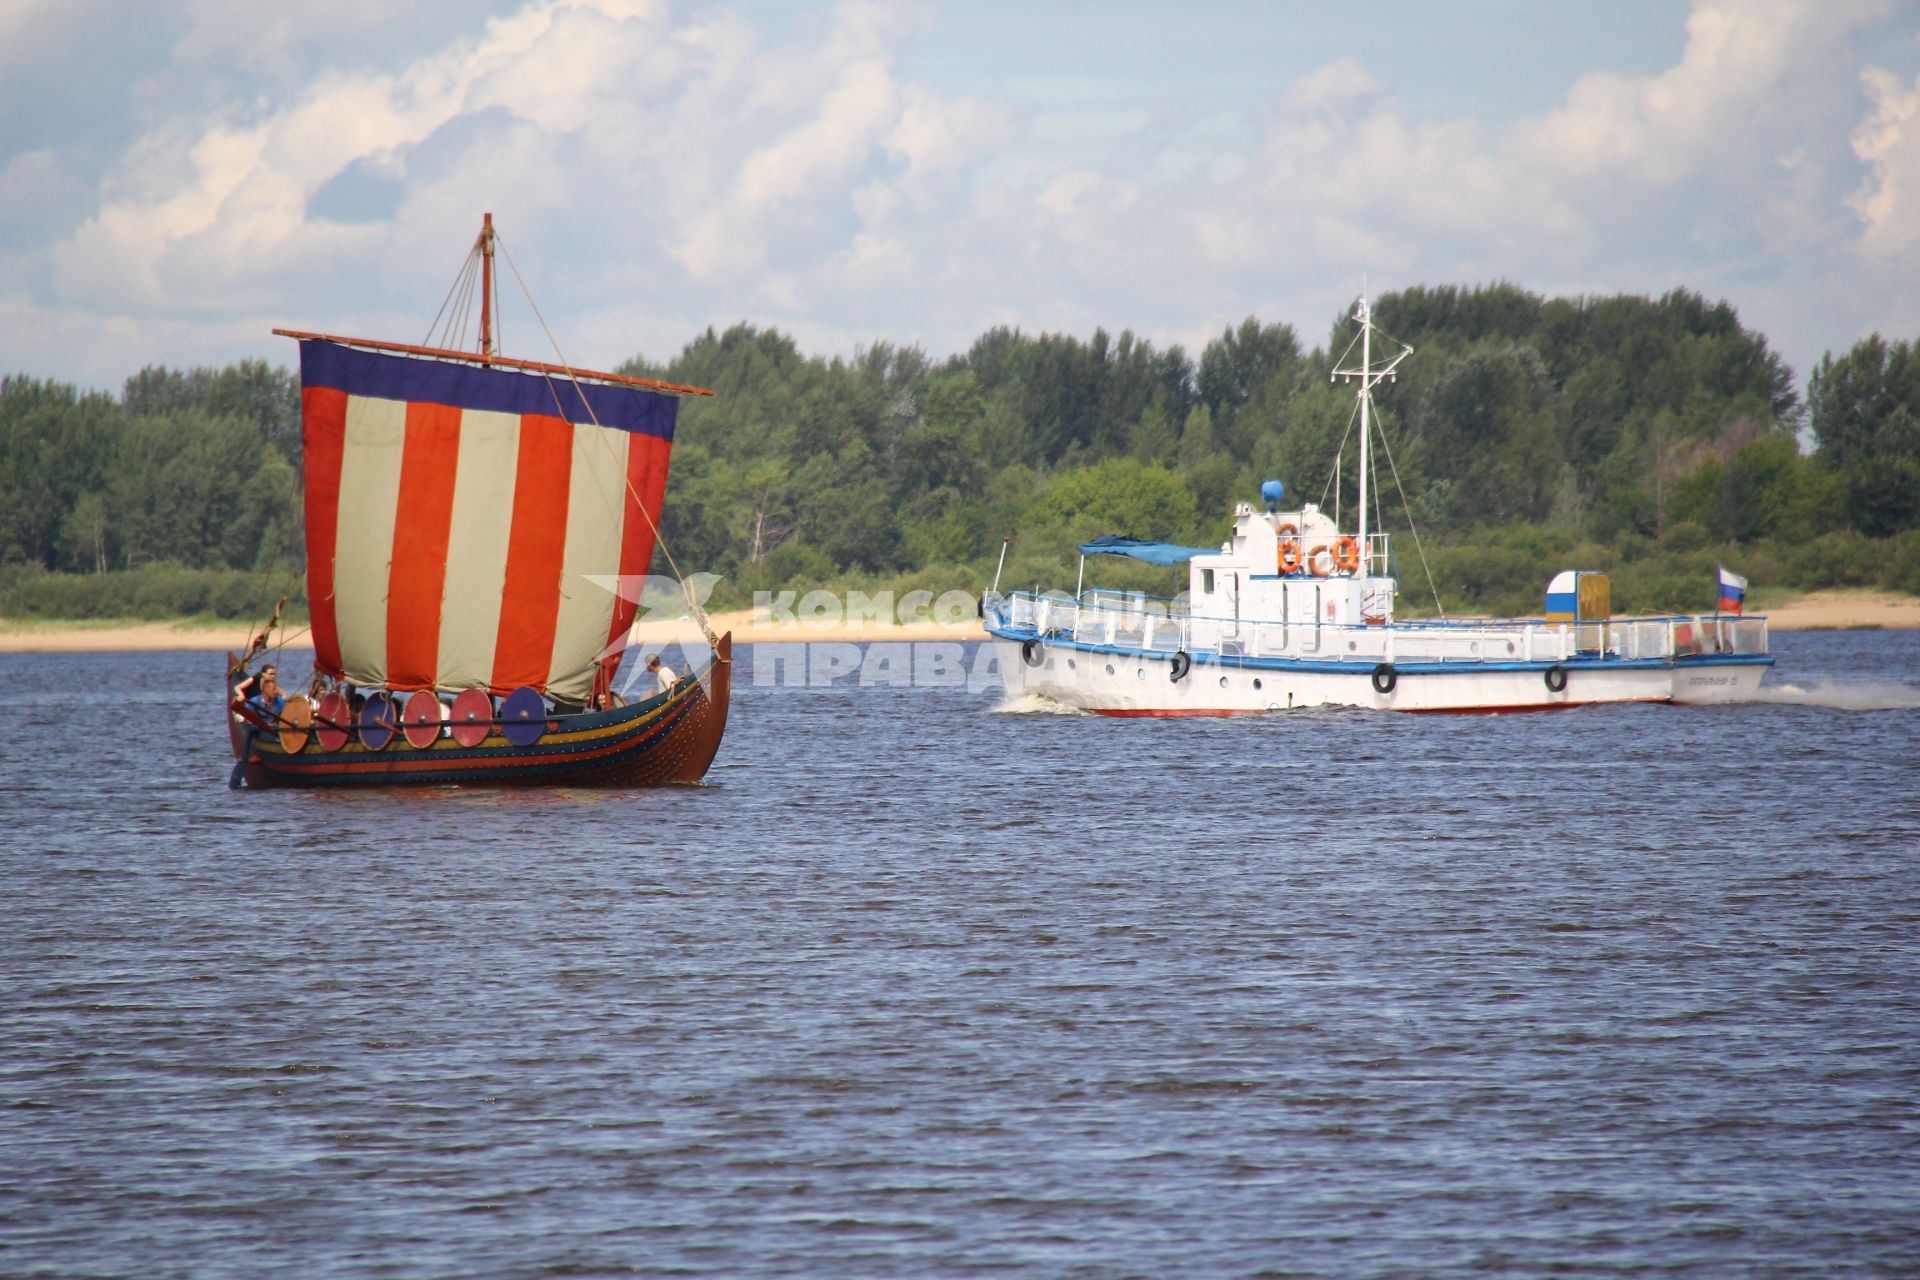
(1206,582)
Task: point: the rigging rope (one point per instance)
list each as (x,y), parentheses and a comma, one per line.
(1334,475)
(1414,529)
(693,603)
(466,266)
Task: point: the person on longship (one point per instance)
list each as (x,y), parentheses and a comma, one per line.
(662,672)
(268,698)
(250,685)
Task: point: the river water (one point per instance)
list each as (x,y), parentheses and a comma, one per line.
(918,987)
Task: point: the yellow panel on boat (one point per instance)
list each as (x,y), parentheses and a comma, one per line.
(1579,596)
(1596,597)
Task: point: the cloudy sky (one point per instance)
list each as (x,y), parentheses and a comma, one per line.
(177,178)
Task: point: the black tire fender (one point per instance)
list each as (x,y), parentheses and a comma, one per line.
(1385,678)
(1556,678)
(1182,663)
(1032,653)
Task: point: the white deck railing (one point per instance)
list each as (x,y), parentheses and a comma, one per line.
(1129,621)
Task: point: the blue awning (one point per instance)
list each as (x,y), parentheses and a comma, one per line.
(1152,552)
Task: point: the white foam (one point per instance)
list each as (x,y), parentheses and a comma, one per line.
(1842,695)
(1034,704)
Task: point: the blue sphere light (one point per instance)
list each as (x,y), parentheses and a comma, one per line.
(1272,491)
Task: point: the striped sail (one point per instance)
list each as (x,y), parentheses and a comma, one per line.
(456,515)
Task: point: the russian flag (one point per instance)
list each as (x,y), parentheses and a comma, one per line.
(1733,590)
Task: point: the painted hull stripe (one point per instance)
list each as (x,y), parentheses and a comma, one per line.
(1429,711)
(478,761)
(1361,668)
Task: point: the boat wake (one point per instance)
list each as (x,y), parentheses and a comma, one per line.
(1034,704)
(1842,695)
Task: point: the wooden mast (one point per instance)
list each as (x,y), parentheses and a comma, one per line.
(487,354)
(486,288)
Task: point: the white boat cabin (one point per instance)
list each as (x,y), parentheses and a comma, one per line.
(1292,567)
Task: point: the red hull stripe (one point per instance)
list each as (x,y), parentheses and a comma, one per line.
(536,554)
(646,478)
(418,577)
(324,415)
(1171,714)
(1424,711)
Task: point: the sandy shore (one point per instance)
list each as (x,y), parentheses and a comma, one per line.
(1853,607)
(1813,611)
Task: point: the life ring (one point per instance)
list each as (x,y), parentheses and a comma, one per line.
(1182,663)
(1385,678)
(1289,555)
(1346,553)
(1556,678)
(1314,561)
(1032,654)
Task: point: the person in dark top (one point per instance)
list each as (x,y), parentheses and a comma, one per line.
(250,685)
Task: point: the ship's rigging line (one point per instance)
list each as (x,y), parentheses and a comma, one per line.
(1411,526)
(1333,479)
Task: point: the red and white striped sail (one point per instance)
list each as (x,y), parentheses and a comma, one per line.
(457,517)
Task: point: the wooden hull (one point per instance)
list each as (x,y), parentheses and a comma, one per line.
(669,738)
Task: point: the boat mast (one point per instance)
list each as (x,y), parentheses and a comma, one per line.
(1366,374)
(486,288)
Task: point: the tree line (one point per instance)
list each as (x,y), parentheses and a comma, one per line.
(1624,430)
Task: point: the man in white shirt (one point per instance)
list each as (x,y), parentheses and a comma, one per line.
(661,672)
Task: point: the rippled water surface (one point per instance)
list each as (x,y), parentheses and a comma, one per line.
(915,988)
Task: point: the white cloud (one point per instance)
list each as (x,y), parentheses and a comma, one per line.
(1888,141)
(1740,55)
(1337,84)
(657,171)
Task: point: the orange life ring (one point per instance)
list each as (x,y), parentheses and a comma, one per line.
(1346,553)
(1313,561)
(1289,555)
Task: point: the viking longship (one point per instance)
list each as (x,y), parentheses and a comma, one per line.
(477,527)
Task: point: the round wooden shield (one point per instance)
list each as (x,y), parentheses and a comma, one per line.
(525,713)
(472,717)
(423,719)
(333,722)
(377,722)
(296,724)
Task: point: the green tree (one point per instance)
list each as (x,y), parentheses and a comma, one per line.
(1122,496)
(56,446)
(1866,423)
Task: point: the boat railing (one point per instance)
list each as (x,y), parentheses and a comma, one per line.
(1131,620)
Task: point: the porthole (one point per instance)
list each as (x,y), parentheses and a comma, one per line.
(1509,646)
(1223,682)
(1109,668)
(1256,684)
(1473,647)
(1070,665)
(1352,645)
(1141,672)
